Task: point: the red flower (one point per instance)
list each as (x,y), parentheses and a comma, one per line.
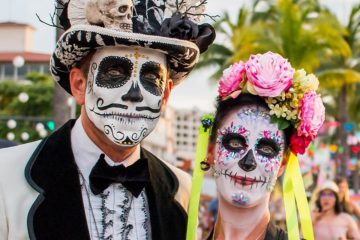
(298,144)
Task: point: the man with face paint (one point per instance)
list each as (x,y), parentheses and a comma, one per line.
(91,179)
(249,147)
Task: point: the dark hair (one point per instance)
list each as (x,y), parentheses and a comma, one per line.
(339,180)
(224,107)
(338,208)
(84,64)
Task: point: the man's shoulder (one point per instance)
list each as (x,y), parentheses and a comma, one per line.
(184,190)
(12,156)
(183,177)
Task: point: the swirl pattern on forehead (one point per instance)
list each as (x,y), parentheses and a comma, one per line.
(253,112)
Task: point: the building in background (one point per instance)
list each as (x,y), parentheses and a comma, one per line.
(186,129)
(175,137)
(17,57)
(161,141)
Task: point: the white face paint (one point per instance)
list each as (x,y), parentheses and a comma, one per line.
(248,154)
(124,92)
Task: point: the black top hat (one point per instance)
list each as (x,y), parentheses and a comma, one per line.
(168,26)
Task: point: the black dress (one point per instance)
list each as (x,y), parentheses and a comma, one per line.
(273,232)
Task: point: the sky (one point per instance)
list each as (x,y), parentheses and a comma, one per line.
(197,91)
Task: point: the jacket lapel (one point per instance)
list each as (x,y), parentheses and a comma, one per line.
(58,212)
(168,218)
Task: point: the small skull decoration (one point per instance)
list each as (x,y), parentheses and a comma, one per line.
(112,14)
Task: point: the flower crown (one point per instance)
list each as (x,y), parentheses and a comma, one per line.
(290,94)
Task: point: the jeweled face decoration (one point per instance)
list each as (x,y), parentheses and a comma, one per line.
(124,92)
(248,154)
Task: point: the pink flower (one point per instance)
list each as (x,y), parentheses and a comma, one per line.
(269,74)
(312,115)
(298,144)
(229,84)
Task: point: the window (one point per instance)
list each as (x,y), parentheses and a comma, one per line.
(9,71)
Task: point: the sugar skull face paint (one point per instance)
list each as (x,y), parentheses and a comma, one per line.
(248,153)
(125,88)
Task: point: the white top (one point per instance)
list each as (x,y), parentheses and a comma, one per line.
(117,213)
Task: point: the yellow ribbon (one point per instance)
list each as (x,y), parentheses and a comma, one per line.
(198,175)
(295,201)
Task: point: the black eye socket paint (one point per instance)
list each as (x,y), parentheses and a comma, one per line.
(267,147)
(234,142)
(114,72)
(152,78)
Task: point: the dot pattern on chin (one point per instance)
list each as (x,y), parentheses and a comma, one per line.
(239,199)
(225,155)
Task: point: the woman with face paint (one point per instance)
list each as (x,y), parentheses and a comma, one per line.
(328,219)
(265,110)
(92,178)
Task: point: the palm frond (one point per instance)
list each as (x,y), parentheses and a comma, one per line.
(336,78)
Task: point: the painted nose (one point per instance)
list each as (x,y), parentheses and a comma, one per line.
(248,162)
(133,95)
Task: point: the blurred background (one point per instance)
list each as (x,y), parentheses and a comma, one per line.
(321,36)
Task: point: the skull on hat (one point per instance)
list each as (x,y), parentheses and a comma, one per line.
(112,14)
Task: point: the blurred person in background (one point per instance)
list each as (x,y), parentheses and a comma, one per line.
(328,219)
(344,196)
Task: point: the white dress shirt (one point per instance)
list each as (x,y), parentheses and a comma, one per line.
(114,214)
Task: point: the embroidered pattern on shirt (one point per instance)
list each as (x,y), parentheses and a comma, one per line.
(144,209)
(105,212)
(126,207)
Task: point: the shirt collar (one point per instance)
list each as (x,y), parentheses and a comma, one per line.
(86,152)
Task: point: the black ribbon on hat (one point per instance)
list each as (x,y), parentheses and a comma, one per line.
(181,27)
(133,178)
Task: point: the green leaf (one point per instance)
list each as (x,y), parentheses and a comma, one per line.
(281,122)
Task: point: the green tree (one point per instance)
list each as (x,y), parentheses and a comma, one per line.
(302,31)
(341,78)
(39,88)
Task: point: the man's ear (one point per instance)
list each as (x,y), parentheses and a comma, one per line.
(169,86)
(284,163)
(78,85)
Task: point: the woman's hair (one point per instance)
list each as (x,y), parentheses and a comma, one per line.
(224,107)
(340,180)
(337,206)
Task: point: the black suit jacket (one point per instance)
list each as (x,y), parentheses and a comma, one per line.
(58,212)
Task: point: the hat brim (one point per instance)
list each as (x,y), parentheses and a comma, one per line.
(78,41)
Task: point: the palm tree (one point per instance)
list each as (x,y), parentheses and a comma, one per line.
(342,77)
(301,31)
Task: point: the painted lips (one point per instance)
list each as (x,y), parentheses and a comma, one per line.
(244,180)
(247,181)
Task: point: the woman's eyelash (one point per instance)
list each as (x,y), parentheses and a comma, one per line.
(268,142)
(228,138)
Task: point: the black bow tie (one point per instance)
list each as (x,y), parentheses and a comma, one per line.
(133,178)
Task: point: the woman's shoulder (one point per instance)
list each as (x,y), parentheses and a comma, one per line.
(345,216)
